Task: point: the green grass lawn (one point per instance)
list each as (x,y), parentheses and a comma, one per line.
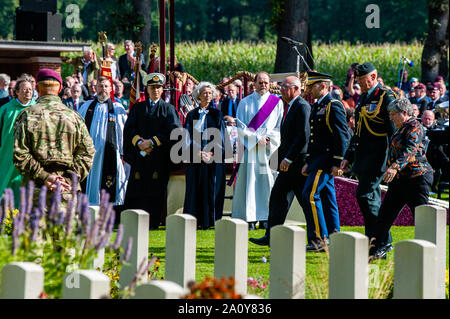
(316,263)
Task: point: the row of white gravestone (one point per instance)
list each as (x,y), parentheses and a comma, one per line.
(419,268)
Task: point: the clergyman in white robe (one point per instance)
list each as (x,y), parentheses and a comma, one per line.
(255,177)
(98,134)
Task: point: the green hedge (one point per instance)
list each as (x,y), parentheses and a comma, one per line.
(212,61)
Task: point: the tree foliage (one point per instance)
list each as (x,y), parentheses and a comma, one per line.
(244,20)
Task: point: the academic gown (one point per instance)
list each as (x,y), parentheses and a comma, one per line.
(255,178)
(9,176)
(205,182)
(98,133)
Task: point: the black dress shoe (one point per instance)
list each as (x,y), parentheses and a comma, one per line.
(381,253)
(263,225)
(263,241)
(316,247)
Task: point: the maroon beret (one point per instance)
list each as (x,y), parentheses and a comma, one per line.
(48,74)
(421,86)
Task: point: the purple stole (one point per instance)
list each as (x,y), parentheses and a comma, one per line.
(257,120)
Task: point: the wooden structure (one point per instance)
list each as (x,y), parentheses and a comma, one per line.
(17,57)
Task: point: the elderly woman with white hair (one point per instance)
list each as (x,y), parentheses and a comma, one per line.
(205,170)
(409,175)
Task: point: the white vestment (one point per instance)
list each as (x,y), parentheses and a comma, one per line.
(98,133)
(255,177)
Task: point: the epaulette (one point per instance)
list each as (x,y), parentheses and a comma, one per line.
(327,116)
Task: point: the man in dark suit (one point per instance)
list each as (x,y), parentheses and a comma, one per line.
(420,98)
(75,101)
(435,97)
(230,103)
(147,147)
(291,156)
(127,61)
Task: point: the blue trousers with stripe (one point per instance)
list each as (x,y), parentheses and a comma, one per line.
(320,206)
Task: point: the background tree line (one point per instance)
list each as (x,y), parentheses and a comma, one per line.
(329,21)
(241,20)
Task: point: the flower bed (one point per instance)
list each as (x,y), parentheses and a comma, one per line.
(349,213)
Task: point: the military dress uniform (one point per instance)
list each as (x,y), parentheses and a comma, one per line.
(50,138)
(327,145)
(369,146)
(149,173)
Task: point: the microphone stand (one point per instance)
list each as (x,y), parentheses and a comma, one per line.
(294,46)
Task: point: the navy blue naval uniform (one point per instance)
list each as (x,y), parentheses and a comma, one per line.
(327,145)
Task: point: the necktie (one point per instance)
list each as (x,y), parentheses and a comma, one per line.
(75,105)
(286,109)
(200,126)
(230,107)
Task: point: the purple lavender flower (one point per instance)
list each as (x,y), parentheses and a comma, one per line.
(127,252)
(29,198)
(18,224)
(119,236)
(110,224)
(105,218)
(1,218)
(59,218)
(103,241)
(86,212)
(42,201)
(69,216)
(23,203)
(35,224)
(15,242)
(79,202)
(93,233)
(56,202)
(74,184)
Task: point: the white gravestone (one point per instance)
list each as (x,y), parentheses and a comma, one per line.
(415,270)
(22,280)
(86,284)
(431,225)
(287,262)
(159,289)
(135,225)
(181,238)
(348,276)
(231,252)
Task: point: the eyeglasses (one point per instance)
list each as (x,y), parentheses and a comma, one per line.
(285,86)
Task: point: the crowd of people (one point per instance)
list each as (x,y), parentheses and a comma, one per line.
(285,144)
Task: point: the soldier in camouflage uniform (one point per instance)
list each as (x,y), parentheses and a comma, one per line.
(369,145)
(51,141)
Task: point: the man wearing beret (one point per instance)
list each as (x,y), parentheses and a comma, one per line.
(147,147)
(328,142)
(421,99)
(369,145)
(51,141)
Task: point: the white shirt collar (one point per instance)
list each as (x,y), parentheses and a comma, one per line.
(320,100)
(292,101)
